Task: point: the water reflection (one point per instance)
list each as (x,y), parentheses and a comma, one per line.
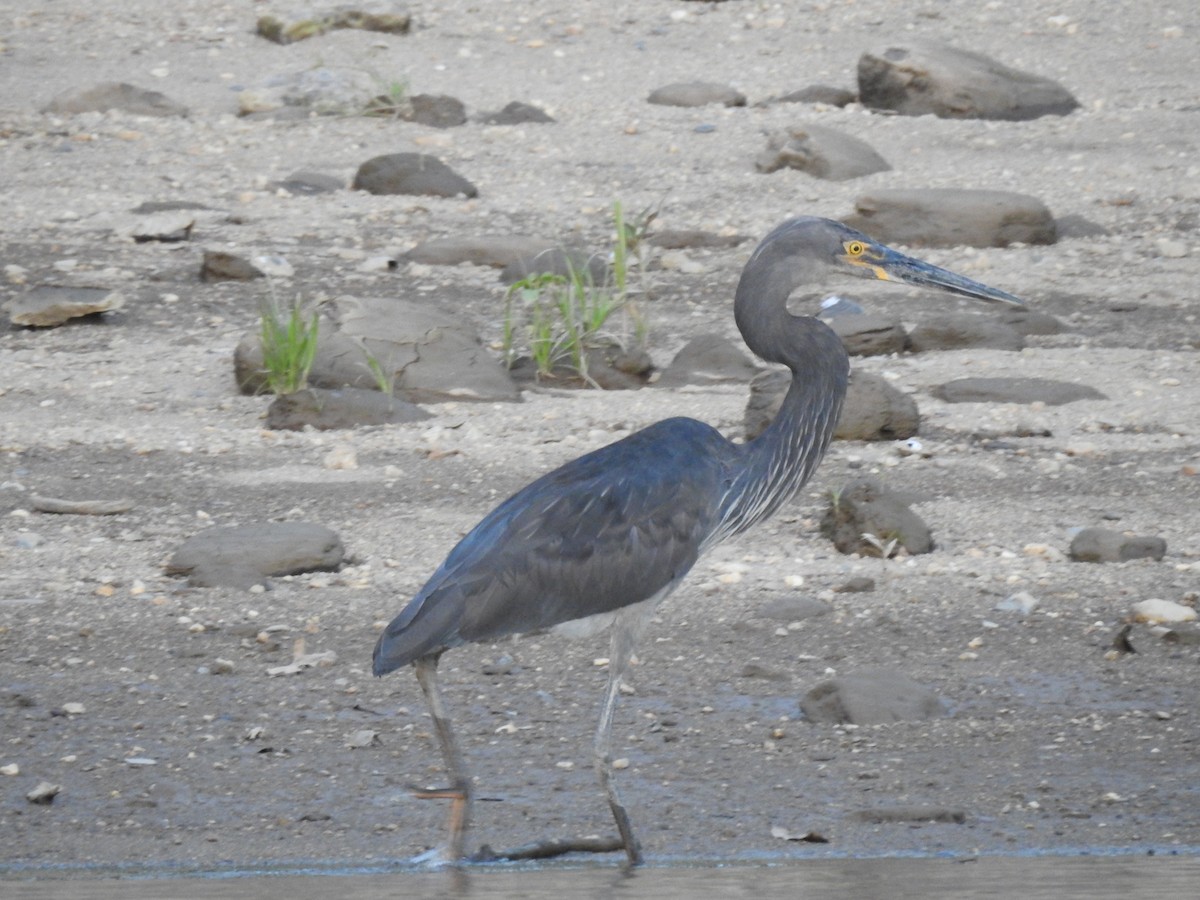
(1021,878)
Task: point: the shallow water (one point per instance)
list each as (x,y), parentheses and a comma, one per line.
(1040,878)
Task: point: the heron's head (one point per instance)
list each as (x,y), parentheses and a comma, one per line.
(855,253)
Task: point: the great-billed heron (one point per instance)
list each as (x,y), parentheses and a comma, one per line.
(601,540)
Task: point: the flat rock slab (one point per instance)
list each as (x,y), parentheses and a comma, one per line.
(821,152)
(1100,545)
(281,32)
(708,359)
(48,305)
(164,227)
(411,173)
(327,410)
(217,265)
(874,409)
(496,250)
(429,357)
(116,95)
(517,113)
(867,334)
(242,555)
(867,507)
(871,697)
(324,90)
(953,217)
(963,331)
(435,110)
(1015,390)
(696,93)
(1031,321)
(924,77)
(557,261)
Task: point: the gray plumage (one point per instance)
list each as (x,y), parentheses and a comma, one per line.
(608,535)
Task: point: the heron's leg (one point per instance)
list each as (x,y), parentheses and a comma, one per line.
(459,791)
(627,629)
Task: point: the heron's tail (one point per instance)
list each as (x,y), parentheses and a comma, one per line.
(422,629)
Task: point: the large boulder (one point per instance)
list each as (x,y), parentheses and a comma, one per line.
(923,77)
(411,173)
(874,410)
(953,217)
(821,152)
(427,356)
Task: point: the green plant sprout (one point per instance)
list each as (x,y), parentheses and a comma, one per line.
(558,319)
(289,347)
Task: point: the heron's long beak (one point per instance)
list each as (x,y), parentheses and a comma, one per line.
(898,267)
(891,265)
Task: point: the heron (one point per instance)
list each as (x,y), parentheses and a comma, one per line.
(600,541)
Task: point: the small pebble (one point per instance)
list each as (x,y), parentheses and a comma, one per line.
(1162,611)
(44,793)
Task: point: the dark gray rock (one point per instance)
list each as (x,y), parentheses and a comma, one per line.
(517,113)
(871,697)
(327,410)
(608,368)
(1015,390)
(708,359)
(821,152)
(557,261)
(218,265)
(116,95)
(960,331)
(243,555)
(48,305)
(1100,545)
(952,217)
(868,334)
(820,93)
(496,250)
(874,409)
(411,173)
(924,77)
(696,93)
(151,207)
(435,110)
(867,507)
(429,356)
(1030,321)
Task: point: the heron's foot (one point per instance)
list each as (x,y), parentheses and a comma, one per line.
(435,858)
(553,847)
(456,825)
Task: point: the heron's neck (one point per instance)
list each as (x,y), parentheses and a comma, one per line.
(777,463)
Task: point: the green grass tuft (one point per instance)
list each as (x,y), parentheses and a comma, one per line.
(289,346)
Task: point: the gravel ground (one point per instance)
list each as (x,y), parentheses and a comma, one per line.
(106,664)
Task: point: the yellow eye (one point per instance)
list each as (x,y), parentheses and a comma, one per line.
(855,248)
